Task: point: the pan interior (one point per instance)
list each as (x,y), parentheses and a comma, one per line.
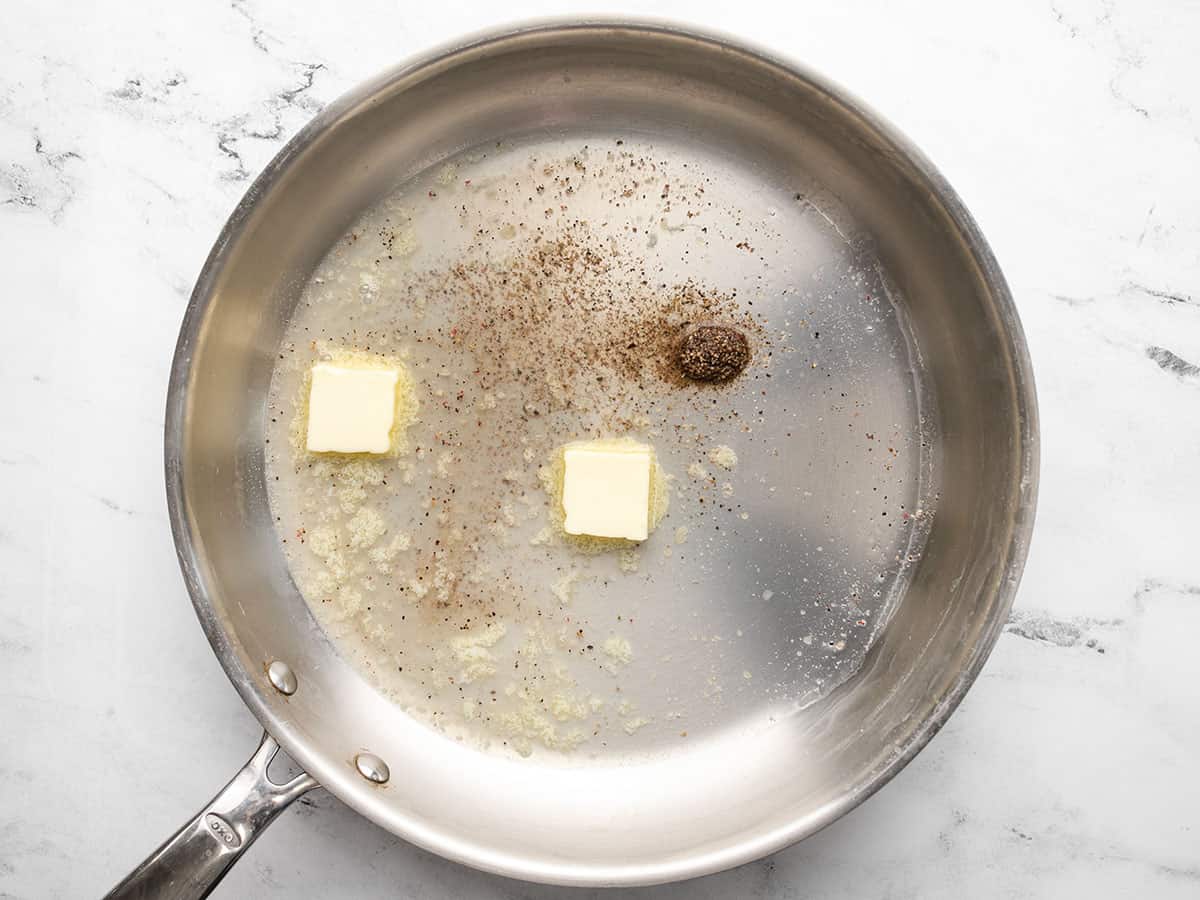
(797,639)
(759,591)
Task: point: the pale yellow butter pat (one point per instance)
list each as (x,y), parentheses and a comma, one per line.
(351,410)
(606,489)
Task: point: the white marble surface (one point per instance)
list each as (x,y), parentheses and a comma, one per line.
(1071,128)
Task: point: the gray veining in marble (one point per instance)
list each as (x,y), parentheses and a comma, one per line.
(1072,130)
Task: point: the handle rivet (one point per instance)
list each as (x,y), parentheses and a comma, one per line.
(372,768)
(282,677)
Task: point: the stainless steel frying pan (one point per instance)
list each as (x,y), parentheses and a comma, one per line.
(845,192)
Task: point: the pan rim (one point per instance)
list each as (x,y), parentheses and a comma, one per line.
(479,855)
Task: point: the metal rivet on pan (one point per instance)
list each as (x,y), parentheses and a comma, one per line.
(282,677)
(372,768)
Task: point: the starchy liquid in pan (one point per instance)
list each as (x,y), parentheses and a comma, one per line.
(539,296)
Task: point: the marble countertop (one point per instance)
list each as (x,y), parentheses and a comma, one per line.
(129,130)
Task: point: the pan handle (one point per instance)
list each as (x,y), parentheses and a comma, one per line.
(191,863)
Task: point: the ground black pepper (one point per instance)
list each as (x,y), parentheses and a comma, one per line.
(713,353)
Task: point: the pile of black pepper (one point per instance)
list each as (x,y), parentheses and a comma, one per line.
(713,353)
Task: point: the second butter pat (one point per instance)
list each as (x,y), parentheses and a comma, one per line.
(351,410)
(606,489)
